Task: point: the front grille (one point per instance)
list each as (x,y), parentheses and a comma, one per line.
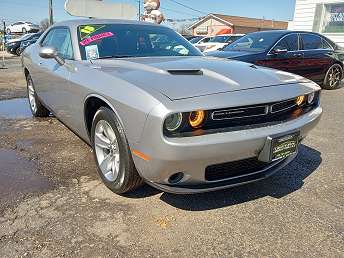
(283,106)
(234,169)
(234,113)
(247,117)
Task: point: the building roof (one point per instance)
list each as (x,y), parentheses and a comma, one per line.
(245,22)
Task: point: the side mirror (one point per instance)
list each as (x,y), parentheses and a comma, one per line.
(49,53)
(279,51)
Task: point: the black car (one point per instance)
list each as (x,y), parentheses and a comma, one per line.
(308,54)
(14,46)
(24,44)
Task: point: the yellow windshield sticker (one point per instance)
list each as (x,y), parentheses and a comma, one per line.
(88,30)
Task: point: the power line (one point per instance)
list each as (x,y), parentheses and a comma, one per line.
(188,7)
(176,11)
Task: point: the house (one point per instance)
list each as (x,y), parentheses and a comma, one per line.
(322,16)
(216,24)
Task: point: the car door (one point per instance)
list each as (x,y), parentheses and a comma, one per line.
(14,27)
(317,56)
(19,26)
(50,76)
(285,55)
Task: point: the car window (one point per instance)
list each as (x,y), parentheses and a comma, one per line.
(47,39)
(66,49)
(126,40)
(325,44)
(205,40)
(310,41)
(219,39)
(255,42)
(289,42)
(195,40)
(60,38)
(62,42)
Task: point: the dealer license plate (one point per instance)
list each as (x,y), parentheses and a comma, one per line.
(284,146)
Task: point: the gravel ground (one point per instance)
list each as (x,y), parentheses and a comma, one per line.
(52,203)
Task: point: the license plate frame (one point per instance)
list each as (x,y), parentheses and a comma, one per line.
(284,146)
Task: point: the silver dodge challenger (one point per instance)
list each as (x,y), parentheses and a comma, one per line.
(155,110)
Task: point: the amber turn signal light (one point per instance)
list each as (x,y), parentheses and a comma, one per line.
(196,118)
(300,100)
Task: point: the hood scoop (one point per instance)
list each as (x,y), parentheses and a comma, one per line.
(185,72)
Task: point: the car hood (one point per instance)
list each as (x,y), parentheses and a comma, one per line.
(187,77)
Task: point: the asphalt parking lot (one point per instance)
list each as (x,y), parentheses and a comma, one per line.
(52,203)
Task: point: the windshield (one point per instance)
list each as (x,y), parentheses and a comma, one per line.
(126,40)
(26,36)
(256,42)
(219,39)
(195,40)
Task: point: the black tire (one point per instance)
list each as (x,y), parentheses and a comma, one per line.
(128,178)
(18,53)
(40,110)
(333,78)
(24,31)
(8,32)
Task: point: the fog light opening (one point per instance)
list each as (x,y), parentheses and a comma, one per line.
(176,178)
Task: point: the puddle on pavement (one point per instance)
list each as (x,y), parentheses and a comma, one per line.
(15,109)
(19,177)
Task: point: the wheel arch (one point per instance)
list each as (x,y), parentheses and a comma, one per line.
(92,104)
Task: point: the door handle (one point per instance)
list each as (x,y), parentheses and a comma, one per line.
(298,55)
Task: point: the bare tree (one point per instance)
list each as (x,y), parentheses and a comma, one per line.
(44,24)
(183,29)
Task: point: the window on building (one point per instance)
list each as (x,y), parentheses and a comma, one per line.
(329,18)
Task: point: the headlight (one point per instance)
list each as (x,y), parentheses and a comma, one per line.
(300,100)
(173,122)
(310,98)
(196,118)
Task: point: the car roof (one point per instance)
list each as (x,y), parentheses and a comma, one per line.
(78,22)
(282,32)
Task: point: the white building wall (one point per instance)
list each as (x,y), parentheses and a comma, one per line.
(304,18)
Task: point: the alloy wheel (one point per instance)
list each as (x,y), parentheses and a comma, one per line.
(107,150)
(32,97)
(334,76)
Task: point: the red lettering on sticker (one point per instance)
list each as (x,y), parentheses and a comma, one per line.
(89,40)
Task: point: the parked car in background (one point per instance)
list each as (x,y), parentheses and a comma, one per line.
(25,43)
(305,53)
(218,42)
(199,40)
(178,120)
(13,47)
(188,37)
(22,27)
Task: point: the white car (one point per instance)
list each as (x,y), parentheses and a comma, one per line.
(22,27)
(199,40)
(218,42)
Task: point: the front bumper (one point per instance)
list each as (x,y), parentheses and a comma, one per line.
(192,155)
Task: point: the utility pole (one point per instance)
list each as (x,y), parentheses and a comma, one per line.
(3,65)
(51,15)
(139,2)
